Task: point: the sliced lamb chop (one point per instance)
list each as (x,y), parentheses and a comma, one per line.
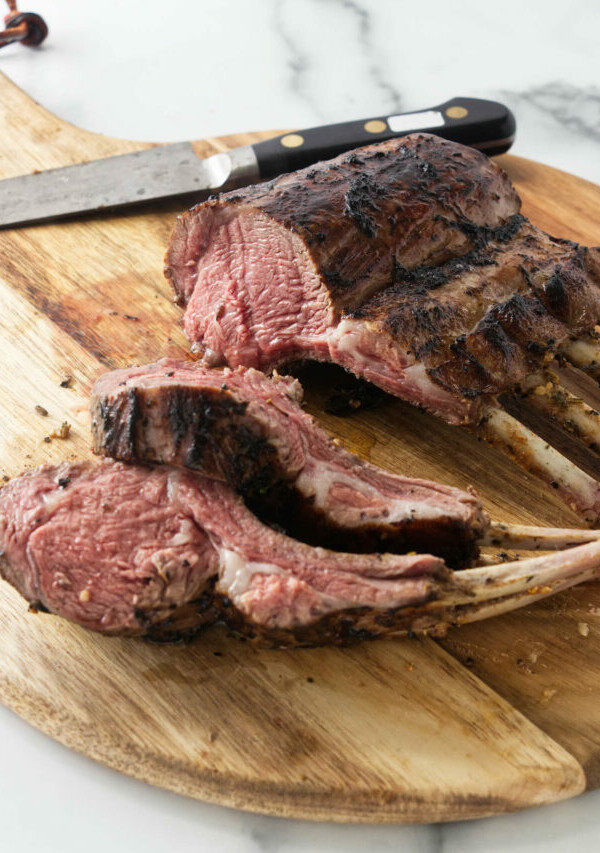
(162,552)
(249,430)
(244,428)
(103,545)
(127,549)
(406,262)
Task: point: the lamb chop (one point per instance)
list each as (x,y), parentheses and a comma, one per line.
(162,552)
(408,263)
(249,431)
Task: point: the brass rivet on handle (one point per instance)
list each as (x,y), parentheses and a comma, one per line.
(292,140)
(375,126)
(457,112)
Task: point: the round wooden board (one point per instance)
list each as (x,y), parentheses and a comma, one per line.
(499,716)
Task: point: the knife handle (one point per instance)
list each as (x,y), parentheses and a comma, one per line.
(486,125)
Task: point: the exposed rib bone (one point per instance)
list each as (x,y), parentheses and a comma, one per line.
(496,559)
(578,489)
(471,595)
(526,538)
(476,594)
(545,391)
(531,576)
(584,353)
(504,605)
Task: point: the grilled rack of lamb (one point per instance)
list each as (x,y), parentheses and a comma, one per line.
(408,263)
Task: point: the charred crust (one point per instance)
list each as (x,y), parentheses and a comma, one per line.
(336,282)
(354,159)
(133,414)
(361,202)
(212,426)
(425,278)
(344,628)
(419,279)
(480,235)
(185,621)
(208,431)
(252,465)
(468,377)
(114,423)
(556,295)
(409,291)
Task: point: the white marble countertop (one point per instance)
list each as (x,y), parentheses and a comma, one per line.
(196,68)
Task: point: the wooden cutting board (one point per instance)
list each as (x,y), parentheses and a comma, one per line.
(499,716)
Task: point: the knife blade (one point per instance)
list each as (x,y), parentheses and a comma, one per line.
(174,170)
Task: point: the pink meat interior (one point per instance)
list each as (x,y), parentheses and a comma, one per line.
(258,290)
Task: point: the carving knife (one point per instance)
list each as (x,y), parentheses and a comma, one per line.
(174,170)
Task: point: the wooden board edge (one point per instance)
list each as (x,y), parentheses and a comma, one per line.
(590,769)
(376,807)
(14,92)
(20,100)
(522,168)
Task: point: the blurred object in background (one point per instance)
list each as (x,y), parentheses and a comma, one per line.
(28,28)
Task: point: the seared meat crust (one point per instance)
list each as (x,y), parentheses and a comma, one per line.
(249,430)
(406,262)
(482,322)
(396,202)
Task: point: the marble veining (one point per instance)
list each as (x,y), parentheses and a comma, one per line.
(296,61)
(380,80)
(197,68)
(362,61)
(574,107)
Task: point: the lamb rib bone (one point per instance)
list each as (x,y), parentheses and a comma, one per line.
(529,575)
(545,392)
(584,353)
(580,491)
(510,587)
(497,559)
(530,538)
(464,614)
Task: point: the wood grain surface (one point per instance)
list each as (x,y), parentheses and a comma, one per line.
(498,716)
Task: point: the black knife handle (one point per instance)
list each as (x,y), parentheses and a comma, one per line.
(486,125)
